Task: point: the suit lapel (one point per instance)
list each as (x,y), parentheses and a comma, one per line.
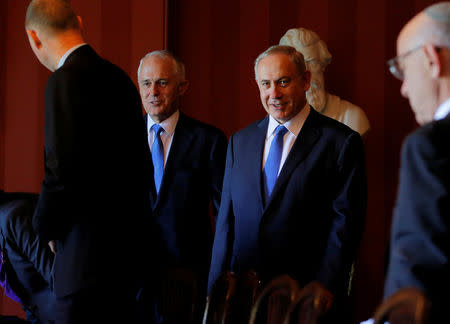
(180,146)
(256,158)
(304,143)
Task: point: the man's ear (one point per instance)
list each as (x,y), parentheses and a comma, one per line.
(182,87)
(432,60)
(307,79)
(34,38)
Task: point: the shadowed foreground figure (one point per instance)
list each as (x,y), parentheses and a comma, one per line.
(420,236)
(94,207)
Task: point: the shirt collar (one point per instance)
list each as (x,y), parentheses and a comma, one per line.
(64,57)
(443,110)
(294,125)
(168,124)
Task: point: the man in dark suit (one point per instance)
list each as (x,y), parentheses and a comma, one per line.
(189,170)
(294,192)
(94,203)
(420,234)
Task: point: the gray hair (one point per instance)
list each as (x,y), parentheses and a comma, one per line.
(296,57)
(52,15)
(165,54)
(300,38)
(438,33)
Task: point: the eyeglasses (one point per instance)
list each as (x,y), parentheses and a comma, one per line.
(394,63)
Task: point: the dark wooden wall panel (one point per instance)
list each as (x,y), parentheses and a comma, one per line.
(91,16)
(282,18)
(314,15)
(367,90)
(145,34)
(2,87)
(116,30)
(225,71)
(341,40)
(254,35)
(23,106)
(195,36)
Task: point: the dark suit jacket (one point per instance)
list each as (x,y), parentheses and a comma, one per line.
(94,197)
(420,234)
(313,222)
(192,180)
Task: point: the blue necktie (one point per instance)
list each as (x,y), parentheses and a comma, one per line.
(273,160)
(157,156)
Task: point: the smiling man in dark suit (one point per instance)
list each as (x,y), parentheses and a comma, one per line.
(294,192)
(188,158)
(93,206)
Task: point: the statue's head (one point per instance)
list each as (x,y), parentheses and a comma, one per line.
(316,56)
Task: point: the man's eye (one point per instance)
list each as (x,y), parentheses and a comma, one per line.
(163,83)
(284,83)
(265,83)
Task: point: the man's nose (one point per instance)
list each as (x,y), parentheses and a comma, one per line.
(153,90)
(404,89)
(274,92)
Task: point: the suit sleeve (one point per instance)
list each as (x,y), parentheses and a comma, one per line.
(349,212)
(223,239)
(420,244)
(217,159)
(59,139)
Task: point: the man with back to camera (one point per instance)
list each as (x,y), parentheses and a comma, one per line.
(189,159)
(420,240)
(94,198)
(317,57)
(276,216)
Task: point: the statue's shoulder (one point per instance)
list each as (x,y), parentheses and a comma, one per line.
(348,113)
(337,103)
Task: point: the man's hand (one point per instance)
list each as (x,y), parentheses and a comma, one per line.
(52,245)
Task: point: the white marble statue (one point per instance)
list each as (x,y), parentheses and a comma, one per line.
(317,58)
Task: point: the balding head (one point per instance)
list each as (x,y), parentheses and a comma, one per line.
(424,60)
(51,16)
(53,29)
(165,54)
(432,25)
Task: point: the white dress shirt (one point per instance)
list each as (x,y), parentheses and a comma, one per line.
(168,125)
(64,57)
(293,125)
(443,110)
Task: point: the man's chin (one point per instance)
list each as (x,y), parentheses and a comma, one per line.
(282,116)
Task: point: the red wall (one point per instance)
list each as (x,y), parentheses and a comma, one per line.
(218,41)
(2,83)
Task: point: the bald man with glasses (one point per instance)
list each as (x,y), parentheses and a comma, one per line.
(420,236)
